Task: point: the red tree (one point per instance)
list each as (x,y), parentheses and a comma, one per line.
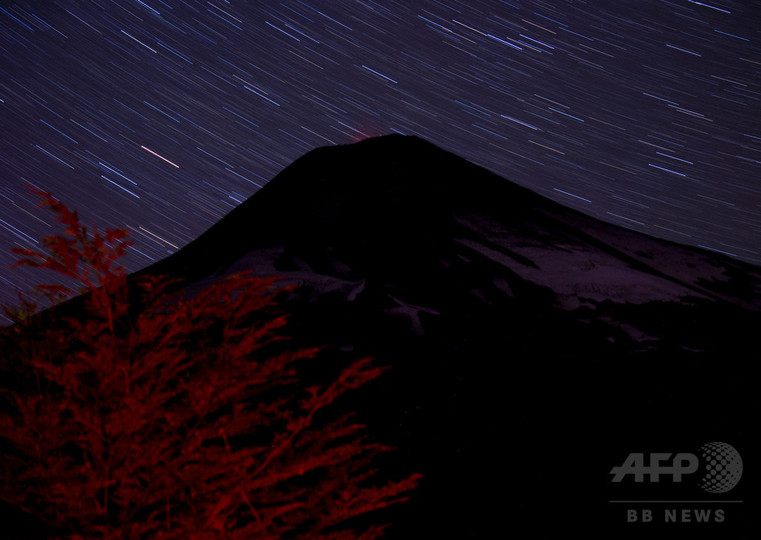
(187,419)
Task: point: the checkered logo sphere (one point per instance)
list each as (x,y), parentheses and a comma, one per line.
(723,467)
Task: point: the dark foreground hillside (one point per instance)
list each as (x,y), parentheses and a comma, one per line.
(532,348)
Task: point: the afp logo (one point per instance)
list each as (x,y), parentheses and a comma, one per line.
(717,465)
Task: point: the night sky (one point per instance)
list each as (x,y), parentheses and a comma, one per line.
(162,116)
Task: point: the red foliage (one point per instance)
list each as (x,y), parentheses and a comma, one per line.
(185,420)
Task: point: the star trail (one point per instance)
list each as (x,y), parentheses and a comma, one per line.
(162,116)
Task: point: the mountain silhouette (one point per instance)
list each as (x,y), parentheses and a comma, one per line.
(532,347)
(382,209)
